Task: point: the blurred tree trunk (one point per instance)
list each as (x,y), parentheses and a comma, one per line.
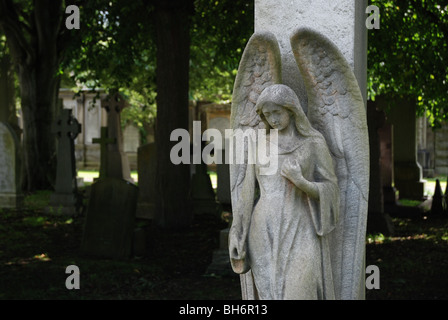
(7,92)
(33,38)
(172,22)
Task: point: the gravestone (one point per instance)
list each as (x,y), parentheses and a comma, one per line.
(202,193)
(10,167)
(131,143)
(146,160)
(131,138)
(64,199)
(94,119)
(110,220)
(117,162)
(109,225)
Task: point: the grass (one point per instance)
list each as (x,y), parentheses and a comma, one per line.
(89,175)
(36,247)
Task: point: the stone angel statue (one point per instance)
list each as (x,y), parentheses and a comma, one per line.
(299,233)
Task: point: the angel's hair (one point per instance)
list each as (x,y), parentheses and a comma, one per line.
(285,97)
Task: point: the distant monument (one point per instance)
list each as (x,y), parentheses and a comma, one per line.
(110,220)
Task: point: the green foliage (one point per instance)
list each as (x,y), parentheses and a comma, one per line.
(117,51)
(408,55)
(219,34)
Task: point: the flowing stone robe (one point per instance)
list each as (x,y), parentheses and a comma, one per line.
(287,247)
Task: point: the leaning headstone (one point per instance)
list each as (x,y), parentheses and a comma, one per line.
(10,181)
(146,163)
(109,225)
(64,200)
(117,161)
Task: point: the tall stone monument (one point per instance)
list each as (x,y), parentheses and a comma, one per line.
(110,219)
(117,161)
(10,179)
(327,71)
(65,199)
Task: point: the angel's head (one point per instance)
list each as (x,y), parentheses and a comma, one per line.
(279,106)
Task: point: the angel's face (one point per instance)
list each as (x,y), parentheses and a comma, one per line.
(277,116)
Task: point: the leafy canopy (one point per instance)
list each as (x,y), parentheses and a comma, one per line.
(408,55)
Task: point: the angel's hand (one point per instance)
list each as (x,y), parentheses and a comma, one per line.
(292,171)
(237,253)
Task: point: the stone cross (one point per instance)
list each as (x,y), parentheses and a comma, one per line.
(64,199)
(104,141)
(67,129)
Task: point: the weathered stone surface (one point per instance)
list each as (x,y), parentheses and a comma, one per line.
(342,21)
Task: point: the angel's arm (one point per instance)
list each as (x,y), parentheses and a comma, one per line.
(243,197)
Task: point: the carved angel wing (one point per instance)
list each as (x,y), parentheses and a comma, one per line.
(260,67)
(336,109)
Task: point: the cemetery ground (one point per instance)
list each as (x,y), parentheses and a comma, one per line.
(36,247)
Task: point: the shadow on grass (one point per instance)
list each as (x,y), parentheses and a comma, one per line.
(36,247)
